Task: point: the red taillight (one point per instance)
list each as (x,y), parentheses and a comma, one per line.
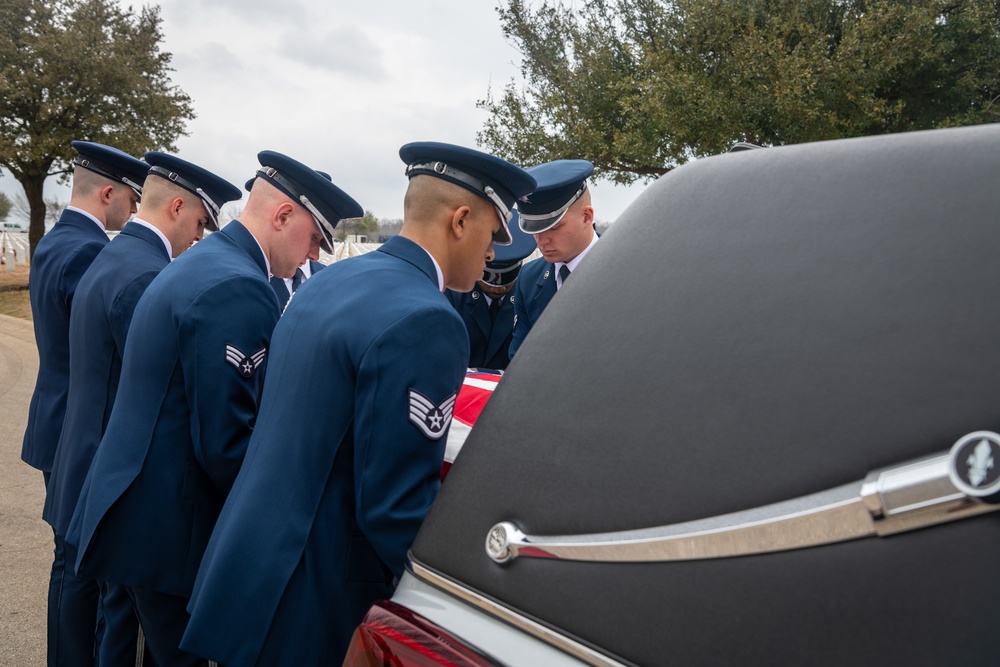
(393,636)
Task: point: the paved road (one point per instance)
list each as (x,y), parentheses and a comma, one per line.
(25,540)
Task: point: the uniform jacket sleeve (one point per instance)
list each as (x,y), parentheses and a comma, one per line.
(223,400)
(397,465)
(123,307)
(75,267)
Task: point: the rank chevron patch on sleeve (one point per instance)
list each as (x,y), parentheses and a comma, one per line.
(432,420)
(245,364)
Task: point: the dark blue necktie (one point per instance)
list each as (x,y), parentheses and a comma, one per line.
(563,273)
(297,280)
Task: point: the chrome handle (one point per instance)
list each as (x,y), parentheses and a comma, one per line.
(962,483)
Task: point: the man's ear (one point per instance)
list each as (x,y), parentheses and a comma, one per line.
(107,192)
(282,214)
(176,206)
(459,220)
(588,215)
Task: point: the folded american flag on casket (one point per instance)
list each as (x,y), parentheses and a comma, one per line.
(476,390)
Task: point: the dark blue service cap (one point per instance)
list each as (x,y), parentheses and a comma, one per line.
(520,247)
(314,190)
(560,184)
(493,179)
(111,163)
(249,184)
(214,191)
(507,260)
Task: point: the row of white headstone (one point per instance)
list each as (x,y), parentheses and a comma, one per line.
(345,250)
(13,249)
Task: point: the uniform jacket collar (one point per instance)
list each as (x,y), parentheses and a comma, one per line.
(408,251)
(495,332)
(477,305)
(147,235)
(280,290)
(82,221)
(242,237)
(546,283)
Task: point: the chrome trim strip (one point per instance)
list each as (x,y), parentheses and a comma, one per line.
(326,228)
(559,212)
(913,495)
(172,176)
(507,615)
(210,207)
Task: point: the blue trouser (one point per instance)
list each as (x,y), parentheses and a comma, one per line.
(118,637)
(89,624)
(73,604)
(164,619)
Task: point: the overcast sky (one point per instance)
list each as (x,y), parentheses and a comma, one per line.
(339,86)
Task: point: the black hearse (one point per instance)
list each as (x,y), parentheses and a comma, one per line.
(758,427)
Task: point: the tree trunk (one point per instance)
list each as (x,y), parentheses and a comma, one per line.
(33,187)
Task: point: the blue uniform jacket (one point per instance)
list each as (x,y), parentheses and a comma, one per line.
(281,290)
(60,260)
(536,285)
(191,378)
(489,341)
(105,300)
(340,473)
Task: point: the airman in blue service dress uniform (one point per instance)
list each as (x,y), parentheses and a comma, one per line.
(346,455)
(190,384)
(488,310)
(180,201)
(559,215)
(107,184)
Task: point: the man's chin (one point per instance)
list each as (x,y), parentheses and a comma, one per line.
(468,287)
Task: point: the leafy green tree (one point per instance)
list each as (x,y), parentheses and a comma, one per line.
(641,86)
(81,69)
(365,225)
(390,226)
(5,206)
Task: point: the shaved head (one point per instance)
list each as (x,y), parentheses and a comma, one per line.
(159,192)
(428,198)
(111,202)
(453,224)
(86,182)
(263,198)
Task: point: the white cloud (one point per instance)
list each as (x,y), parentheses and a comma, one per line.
(339,86)
(289,11)
(343,50)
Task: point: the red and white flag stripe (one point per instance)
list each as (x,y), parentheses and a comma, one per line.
(472,398)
